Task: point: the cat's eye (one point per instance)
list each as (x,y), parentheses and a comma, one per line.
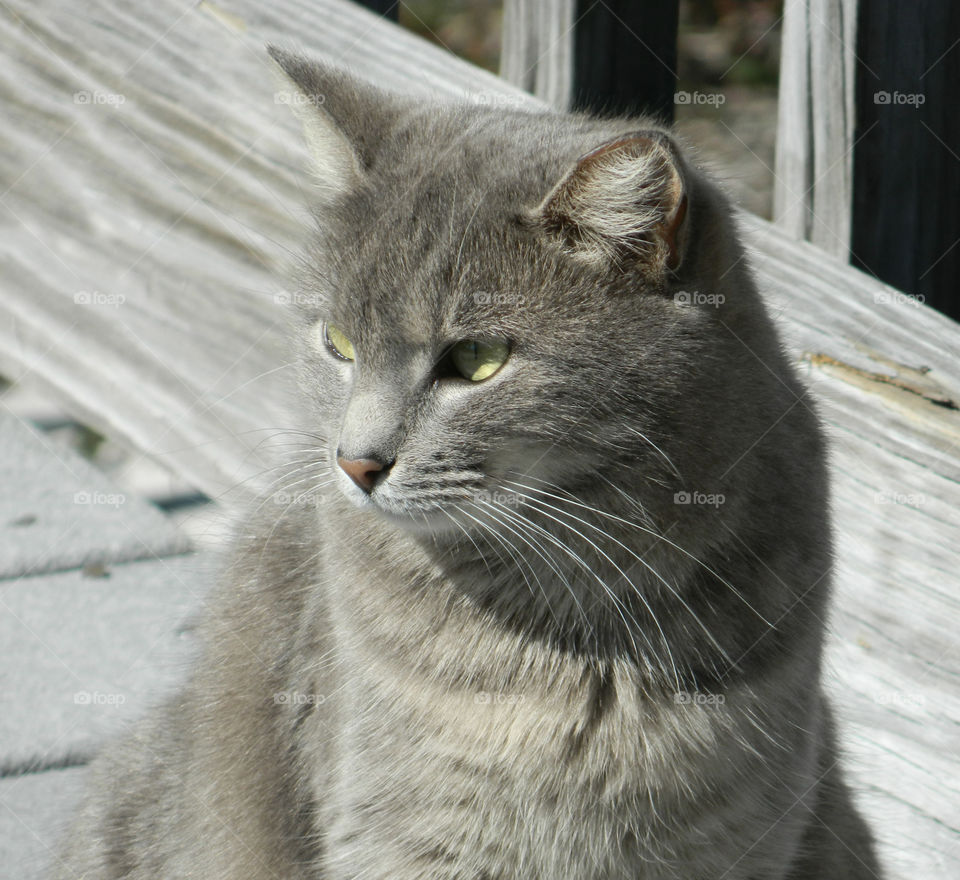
(476,360)
(338,342)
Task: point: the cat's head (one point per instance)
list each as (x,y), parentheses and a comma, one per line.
(504,303)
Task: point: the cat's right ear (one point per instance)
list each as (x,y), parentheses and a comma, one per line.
(343,119)
(626,199)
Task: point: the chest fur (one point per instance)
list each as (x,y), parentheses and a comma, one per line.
(467,750)
(577,776)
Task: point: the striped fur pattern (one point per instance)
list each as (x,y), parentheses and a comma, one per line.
(575,631)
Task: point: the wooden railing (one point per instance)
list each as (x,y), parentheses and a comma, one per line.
(868,139)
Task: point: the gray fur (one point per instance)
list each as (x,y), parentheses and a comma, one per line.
(520,657)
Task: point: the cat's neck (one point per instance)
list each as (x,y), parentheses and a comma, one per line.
(445,607)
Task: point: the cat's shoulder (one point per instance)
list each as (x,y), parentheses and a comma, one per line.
(270,568)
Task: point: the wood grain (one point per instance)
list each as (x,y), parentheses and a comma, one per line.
(813,181)
(538,48)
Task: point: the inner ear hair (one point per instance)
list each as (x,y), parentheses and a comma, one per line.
(625,199)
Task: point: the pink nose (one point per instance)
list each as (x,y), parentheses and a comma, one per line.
(363,471)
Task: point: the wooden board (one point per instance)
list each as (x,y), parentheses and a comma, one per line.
(34,812)
(57,511)
(185,199)
(151,199)
(85,656)
(813,183)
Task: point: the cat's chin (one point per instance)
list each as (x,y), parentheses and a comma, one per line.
(418,521)
(427,522)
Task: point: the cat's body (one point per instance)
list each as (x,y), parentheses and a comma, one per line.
(511,649)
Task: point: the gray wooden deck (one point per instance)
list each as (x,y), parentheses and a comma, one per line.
(150,195)
(97,594)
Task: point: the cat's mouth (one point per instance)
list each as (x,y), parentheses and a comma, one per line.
(438,498)
(411,513)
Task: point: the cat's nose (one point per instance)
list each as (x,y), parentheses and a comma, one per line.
(363,471)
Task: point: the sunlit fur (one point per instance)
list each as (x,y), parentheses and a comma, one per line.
(519,656)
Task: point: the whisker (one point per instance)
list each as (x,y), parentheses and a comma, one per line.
(654,534)
(494,511)
(506,545)
(469,537)
(522,524)
(672,588)
(613,562)
(619,607)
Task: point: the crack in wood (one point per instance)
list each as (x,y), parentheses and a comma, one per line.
(918,383)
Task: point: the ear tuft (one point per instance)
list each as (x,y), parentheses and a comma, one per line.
(626,199)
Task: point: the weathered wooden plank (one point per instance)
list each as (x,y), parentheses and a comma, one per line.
(57,511)
(893,661)
(84,656)
(813,181)
(519,40)
(892,656)
(34,812)
(537,48)
(146,217)
(182,368)
(825,309)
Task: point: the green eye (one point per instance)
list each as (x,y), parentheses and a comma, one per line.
(476,361)
(338,342)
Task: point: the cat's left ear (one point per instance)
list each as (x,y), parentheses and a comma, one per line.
(626,199)
(344,118)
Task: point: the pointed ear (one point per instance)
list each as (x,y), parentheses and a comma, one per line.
(344,118)
(626,199)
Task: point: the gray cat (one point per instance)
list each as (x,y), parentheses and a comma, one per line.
(547,597)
